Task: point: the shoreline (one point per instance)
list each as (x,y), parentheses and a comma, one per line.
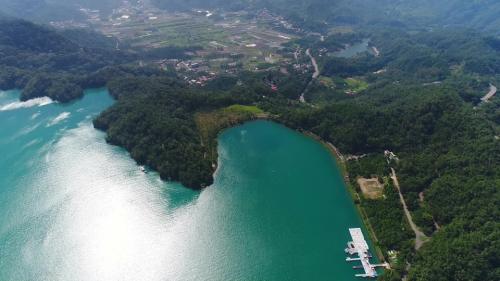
(340,160)
(342,164)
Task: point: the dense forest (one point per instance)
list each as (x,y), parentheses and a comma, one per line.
(444,138)
(425,105)
(155,119)
(420,99)
(57,64)
(447,151)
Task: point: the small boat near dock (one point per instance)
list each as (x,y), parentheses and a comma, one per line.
(359,247)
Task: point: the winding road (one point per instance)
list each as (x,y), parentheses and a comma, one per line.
(490,94)
(314,63)
(314,76)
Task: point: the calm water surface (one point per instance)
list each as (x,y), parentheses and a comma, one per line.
(74,208)
(353,50)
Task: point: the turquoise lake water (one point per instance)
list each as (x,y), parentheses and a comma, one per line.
(74,208)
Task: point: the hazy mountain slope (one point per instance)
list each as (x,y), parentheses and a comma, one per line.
(104,6)
(38,10)
(47,62)
(53,10)
(24,35)
(480,14)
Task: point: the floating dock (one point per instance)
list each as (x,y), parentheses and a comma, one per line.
(359,247)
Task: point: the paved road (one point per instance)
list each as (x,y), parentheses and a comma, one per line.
(314,63)
(314,76)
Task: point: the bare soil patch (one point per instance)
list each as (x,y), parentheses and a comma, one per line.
(371,188)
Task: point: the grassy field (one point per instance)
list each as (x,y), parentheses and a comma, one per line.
(356,85)
(178,32)
(243,109)
(211,123)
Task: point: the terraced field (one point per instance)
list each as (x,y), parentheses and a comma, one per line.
(252,41)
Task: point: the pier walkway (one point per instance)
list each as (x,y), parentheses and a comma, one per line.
(359,246)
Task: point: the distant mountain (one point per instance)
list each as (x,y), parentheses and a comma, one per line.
(28,36)
(312,14)
(479,14)
(54,10)
(23,35)
(47,62)
(105,6)
(39,10)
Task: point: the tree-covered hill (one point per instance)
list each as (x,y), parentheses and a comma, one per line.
(481,14)
(421,100)
(39,10)
(46,62)
(446,141)
(155,120)
(312,14)
(447,148)
(27,36)
(44,11)
(317,14)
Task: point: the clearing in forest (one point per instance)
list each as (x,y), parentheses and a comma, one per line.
(371,188)
(355,86)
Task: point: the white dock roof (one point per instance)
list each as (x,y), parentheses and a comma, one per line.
(358,239)
(361,248)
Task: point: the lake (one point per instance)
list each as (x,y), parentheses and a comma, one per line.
(353,50)
(75,208)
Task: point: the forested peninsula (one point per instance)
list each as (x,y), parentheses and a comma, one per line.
(420,98)
(58,64)
(172,128)
(445,140)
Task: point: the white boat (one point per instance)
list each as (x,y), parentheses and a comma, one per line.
(143,169)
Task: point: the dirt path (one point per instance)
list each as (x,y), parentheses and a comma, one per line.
(490,94)
(314,76)
(420,237)
(314,63)
(421,197)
